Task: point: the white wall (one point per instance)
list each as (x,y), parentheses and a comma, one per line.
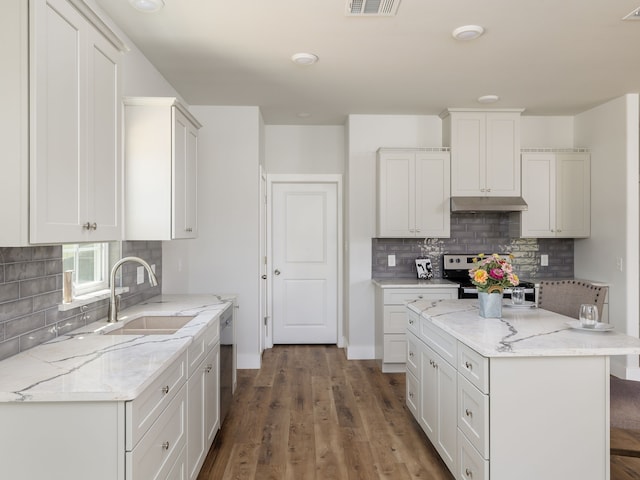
(611,132)
(550,132)
(367,133)
(304,149)
(225,256)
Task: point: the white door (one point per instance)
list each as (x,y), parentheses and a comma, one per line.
(304,240)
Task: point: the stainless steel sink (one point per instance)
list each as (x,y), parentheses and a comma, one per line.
(151,325)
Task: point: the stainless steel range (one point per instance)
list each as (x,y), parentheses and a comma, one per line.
(455,267)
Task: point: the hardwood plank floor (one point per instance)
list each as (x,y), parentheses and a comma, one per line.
(309,413)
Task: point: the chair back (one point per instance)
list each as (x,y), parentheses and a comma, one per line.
(566,296)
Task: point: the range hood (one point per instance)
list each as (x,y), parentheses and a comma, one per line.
(488,204)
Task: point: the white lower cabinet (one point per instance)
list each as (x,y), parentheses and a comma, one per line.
(504,417)
(391,312)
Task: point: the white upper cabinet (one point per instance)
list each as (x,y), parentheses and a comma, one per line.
(557,189)
(60,128)
(413,193)
(485,151)
(161,161)
(74,128)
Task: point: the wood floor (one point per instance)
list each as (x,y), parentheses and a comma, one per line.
(308,413)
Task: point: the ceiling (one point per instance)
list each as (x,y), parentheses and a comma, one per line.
(550,57)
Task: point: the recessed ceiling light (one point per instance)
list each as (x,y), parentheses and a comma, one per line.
(149,6)
(488,99)
(467,32)
(304,58)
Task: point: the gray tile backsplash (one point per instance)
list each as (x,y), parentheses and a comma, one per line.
(31,290)
(475,233)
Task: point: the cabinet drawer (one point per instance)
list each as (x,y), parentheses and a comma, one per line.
(156,454)
(413,321)
(144,410)
(443,343)
(395,348)
(401,296)
(474,367)
(395,319)
(413,355)
(413,394)
(473,415)
(201,346)
(471,465)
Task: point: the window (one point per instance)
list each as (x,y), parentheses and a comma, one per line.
(90,265)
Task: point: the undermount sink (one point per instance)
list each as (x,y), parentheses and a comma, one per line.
(152,325)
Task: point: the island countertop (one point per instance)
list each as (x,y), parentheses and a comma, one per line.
(85,365)
(521,332)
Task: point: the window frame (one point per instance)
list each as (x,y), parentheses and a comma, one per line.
(100,267)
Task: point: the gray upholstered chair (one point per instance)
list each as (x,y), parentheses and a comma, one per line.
(566,296)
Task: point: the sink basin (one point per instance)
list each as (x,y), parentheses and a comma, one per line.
(152,325)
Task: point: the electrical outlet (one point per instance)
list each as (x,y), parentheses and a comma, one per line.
(153,267)
(619,263)
(544,260)
(140,275)
(391,260)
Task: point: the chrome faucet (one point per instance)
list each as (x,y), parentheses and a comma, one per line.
(113,304)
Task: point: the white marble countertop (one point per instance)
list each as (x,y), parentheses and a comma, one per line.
(413,283)
(521,332)
(85,365)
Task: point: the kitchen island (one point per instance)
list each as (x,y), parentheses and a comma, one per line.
(105,406)
(525,396)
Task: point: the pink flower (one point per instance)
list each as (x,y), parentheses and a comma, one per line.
(496,273)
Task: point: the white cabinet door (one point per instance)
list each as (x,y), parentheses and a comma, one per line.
(413,193)
(74,133)
(485,152)
(212,394)
(438,401)
(468,154)
(503,154)
(538,190)
(161,143)
(432,194)
(396,195)
(557,189)
(573,195)
(185,151)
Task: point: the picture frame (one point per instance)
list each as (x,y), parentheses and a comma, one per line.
(424,268)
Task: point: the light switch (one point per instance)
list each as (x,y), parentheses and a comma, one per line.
(140,275)
(391,260)
(544,260)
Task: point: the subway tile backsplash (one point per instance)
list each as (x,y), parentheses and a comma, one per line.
(31,290)
(475,233)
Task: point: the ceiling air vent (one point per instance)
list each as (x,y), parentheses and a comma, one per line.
(378,8)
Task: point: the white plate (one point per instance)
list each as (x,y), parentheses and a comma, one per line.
(507,303)
(600,327)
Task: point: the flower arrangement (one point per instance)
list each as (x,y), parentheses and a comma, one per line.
(493,273)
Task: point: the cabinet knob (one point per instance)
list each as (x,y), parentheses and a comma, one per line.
(90,226)
(468,472)
(165,446)
(410,322)
(468,365)
(468,413)
(165,389)
(420,296)
(410,394)
(488,189)
(552,230)
(188,229)
(482,189)
(411,354)
(558,230)
(208,368)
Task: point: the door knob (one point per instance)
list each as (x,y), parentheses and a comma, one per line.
(276,272)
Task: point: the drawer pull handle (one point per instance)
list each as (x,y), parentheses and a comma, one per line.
(208,368)
(468,472)
(165,446)
(468,413)
(165,389)
(468,365)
